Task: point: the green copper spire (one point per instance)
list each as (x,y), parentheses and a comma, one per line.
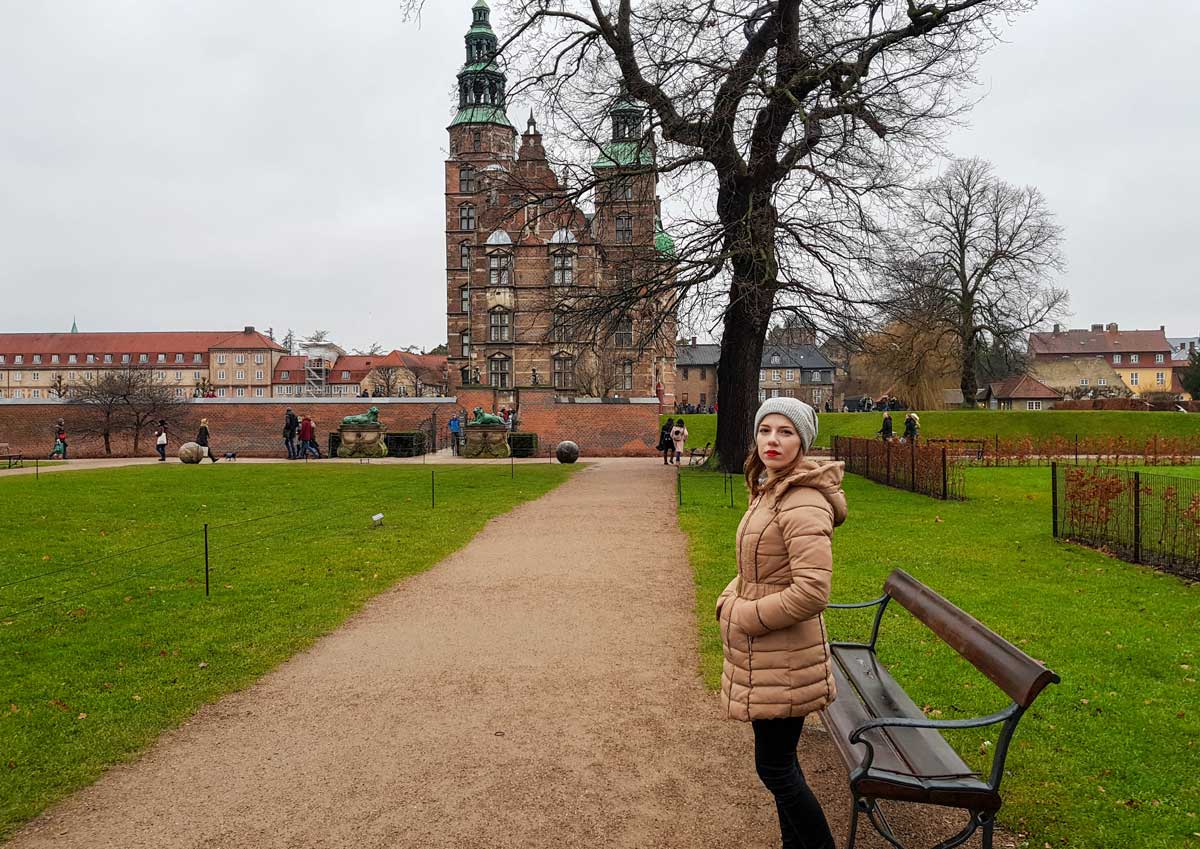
(481,82)
(629,147)
(75,327)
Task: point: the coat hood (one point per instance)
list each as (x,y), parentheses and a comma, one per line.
(826,478)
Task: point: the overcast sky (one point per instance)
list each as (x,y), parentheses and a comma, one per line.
(172,164)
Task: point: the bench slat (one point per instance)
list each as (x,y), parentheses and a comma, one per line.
(925,751)
(889,776)
(1009,668)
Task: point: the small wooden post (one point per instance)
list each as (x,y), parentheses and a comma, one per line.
(889,463)
(912,466)
(945,477)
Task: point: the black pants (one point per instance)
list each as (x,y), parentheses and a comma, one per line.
(801,821)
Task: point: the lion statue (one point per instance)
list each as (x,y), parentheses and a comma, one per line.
(482,418)
(370,417)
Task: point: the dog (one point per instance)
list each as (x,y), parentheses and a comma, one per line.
(230,455)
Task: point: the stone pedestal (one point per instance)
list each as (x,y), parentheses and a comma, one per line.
(362,440)
(486,442)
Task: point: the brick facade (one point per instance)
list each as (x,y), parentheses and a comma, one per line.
(254,428)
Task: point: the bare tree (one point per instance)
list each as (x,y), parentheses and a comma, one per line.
(597,375)
(122,400)
(372,350)
(387,380)
(317,337)
(780,122)
(59,388)
(977,254)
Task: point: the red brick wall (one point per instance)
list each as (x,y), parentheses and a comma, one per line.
(255,429)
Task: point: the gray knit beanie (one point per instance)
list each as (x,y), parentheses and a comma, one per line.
(802,415)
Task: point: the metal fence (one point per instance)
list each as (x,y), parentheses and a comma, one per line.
(931,470)
(1057,448)
(1142,518)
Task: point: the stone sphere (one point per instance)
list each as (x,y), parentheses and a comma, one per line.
(191,453)
(567,452)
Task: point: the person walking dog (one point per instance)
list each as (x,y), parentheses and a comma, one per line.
(770,615)
(202,440)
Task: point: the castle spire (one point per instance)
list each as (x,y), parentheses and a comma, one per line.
(482,94)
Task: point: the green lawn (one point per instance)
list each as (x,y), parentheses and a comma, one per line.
(1108,759)
(980,424)
(135,648)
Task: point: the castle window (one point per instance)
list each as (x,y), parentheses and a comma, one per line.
(623,337)
(560,329)
(500,269)
(499,325)
(623,189)
(466,179)
(465,336)
(499,368)
(625,279)
(627,375)
(464,299)
(477,141)
(564,269)
(464,255)
(564,371)
(624,229)
(466,217)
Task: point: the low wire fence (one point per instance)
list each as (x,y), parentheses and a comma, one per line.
(1142,518)
(933,470)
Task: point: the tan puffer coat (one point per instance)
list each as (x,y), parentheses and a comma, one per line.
(777,661)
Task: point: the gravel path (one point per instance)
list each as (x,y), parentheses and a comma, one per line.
(537,689)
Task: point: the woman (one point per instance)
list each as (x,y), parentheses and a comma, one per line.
(202,441)
(679,435)
(664,441)
(777,668)
(160,440)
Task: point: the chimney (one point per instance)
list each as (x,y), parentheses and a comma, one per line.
(1057,329)
(1112,328)
(693,341)
(1163,328)
(249,328)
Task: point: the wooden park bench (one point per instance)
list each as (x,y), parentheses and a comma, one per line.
(10,458)
(891,750)
(699,456)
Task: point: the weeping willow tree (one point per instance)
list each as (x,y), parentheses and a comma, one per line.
(911,362)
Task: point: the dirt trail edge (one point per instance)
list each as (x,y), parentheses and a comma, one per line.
(539,688)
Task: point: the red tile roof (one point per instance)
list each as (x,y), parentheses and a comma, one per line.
(181,342)
(294,366)
(1021,387)
(1075,342)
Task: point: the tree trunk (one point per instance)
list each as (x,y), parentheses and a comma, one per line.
(749,220)
(967,380)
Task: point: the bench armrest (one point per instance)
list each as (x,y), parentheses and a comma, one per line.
(881,603)
(936,724)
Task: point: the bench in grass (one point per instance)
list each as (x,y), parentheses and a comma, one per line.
(891,750)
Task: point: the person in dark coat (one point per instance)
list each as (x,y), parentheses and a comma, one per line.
(665,445)
(885,431)
(291,424)
(202,438)
(910,427)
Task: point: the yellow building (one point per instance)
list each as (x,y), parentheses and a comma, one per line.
(1142,358)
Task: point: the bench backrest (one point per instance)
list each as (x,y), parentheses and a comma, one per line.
(1009,668)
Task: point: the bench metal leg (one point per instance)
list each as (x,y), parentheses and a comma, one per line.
(987,834)
(854,806)
(874,813)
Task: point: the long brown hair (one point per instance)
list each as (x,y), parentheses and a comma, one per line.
(756,469)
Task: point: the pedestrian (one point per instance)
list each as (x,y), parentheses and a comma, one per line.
(60,440)
(910,427)
(308,438)
(202,439)
(679,435)
(665,445)
(770,614)
(885,431)
(291,425)
(829,406)
(160,440)
(455,430)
